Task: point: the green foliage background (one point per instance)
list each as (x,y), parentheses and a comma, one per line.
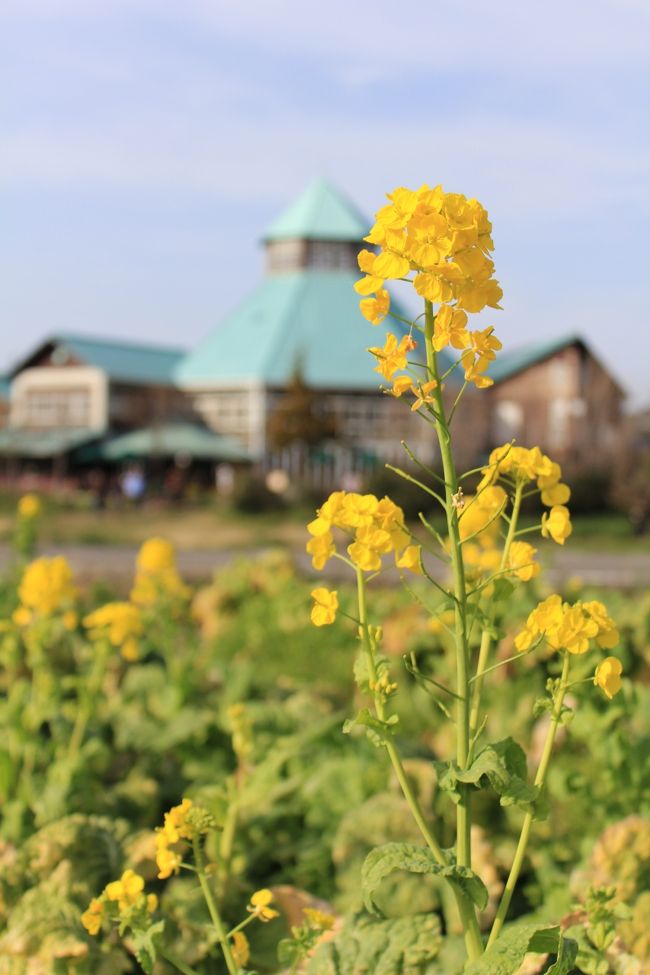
(315,801)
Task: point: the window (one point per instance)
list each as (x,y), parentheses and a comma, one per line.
(558,423)
(561,374)
(360,416)
(47,408)
(508,421)
(225,411)
(330,255)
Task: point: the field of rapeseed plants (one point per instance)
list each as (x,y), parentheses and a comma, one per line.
(212,782)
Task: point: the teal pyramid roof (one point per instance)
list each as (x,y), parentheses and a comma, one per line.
(322,212)
(123,360)
(310,318)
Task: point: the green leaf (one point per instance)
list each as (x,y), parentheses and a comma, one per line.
(378,731)
(360,669)
(503,765)
(510,949)
(7,773)
(399,946)
(385,860)
(144,945)
(503,590)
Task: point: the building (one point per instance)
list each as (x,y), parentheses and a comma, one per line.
(559,395)
(299,328)
(304,317)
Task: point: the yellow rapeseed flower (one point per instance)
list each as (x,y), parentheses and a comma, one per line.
(556,524)
(443,239)
(22,616)
(393,355)
(167,861)
(521,559)
(155,555)
(47,586)
(450,328)
(120,623)
(410,559)
(126,890)
(240,948)
(259,905)
(176,825)
(401,385)
(556,494)
(423,393)
(377,528)
(485,343)
(475,365)
(481,513)
(375,309)
(325,606)
(563,626)
(607,636)
(574,631)
(92,916)
(156,573)
(321,548)
(29,506)
(608,676)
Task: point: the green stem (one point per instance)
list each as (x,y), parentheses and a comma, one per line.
(176,962)
(486,637)
(540,778)
(231,964)
(465,906)
(229,829)
(414,480)
(87,702)
(463,811)
(242,924)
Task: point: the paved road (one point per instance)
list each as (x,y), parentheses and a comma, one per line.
(116,562)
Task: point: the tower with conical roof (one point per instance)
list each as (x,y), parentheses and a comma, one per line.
(303,314)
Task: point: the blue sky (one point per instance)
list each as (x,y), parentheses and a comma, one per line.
(146,144)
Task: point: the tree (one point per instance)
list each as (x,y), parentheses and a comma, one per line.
(300,416)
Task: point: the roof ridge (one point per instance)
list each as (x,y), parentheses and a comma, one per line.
(98,340)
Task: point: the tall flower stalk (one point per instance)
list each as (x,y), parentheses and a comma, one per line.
(440,244)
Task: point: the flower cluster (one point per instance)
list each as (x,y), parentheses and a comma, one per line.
(521,465)
(123,899)
(376,528)
(571,627)
(176,827)
(156,574)
(29,506)
(120,623)
(45,589)
(444,239)
(393,356)
(478,526)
